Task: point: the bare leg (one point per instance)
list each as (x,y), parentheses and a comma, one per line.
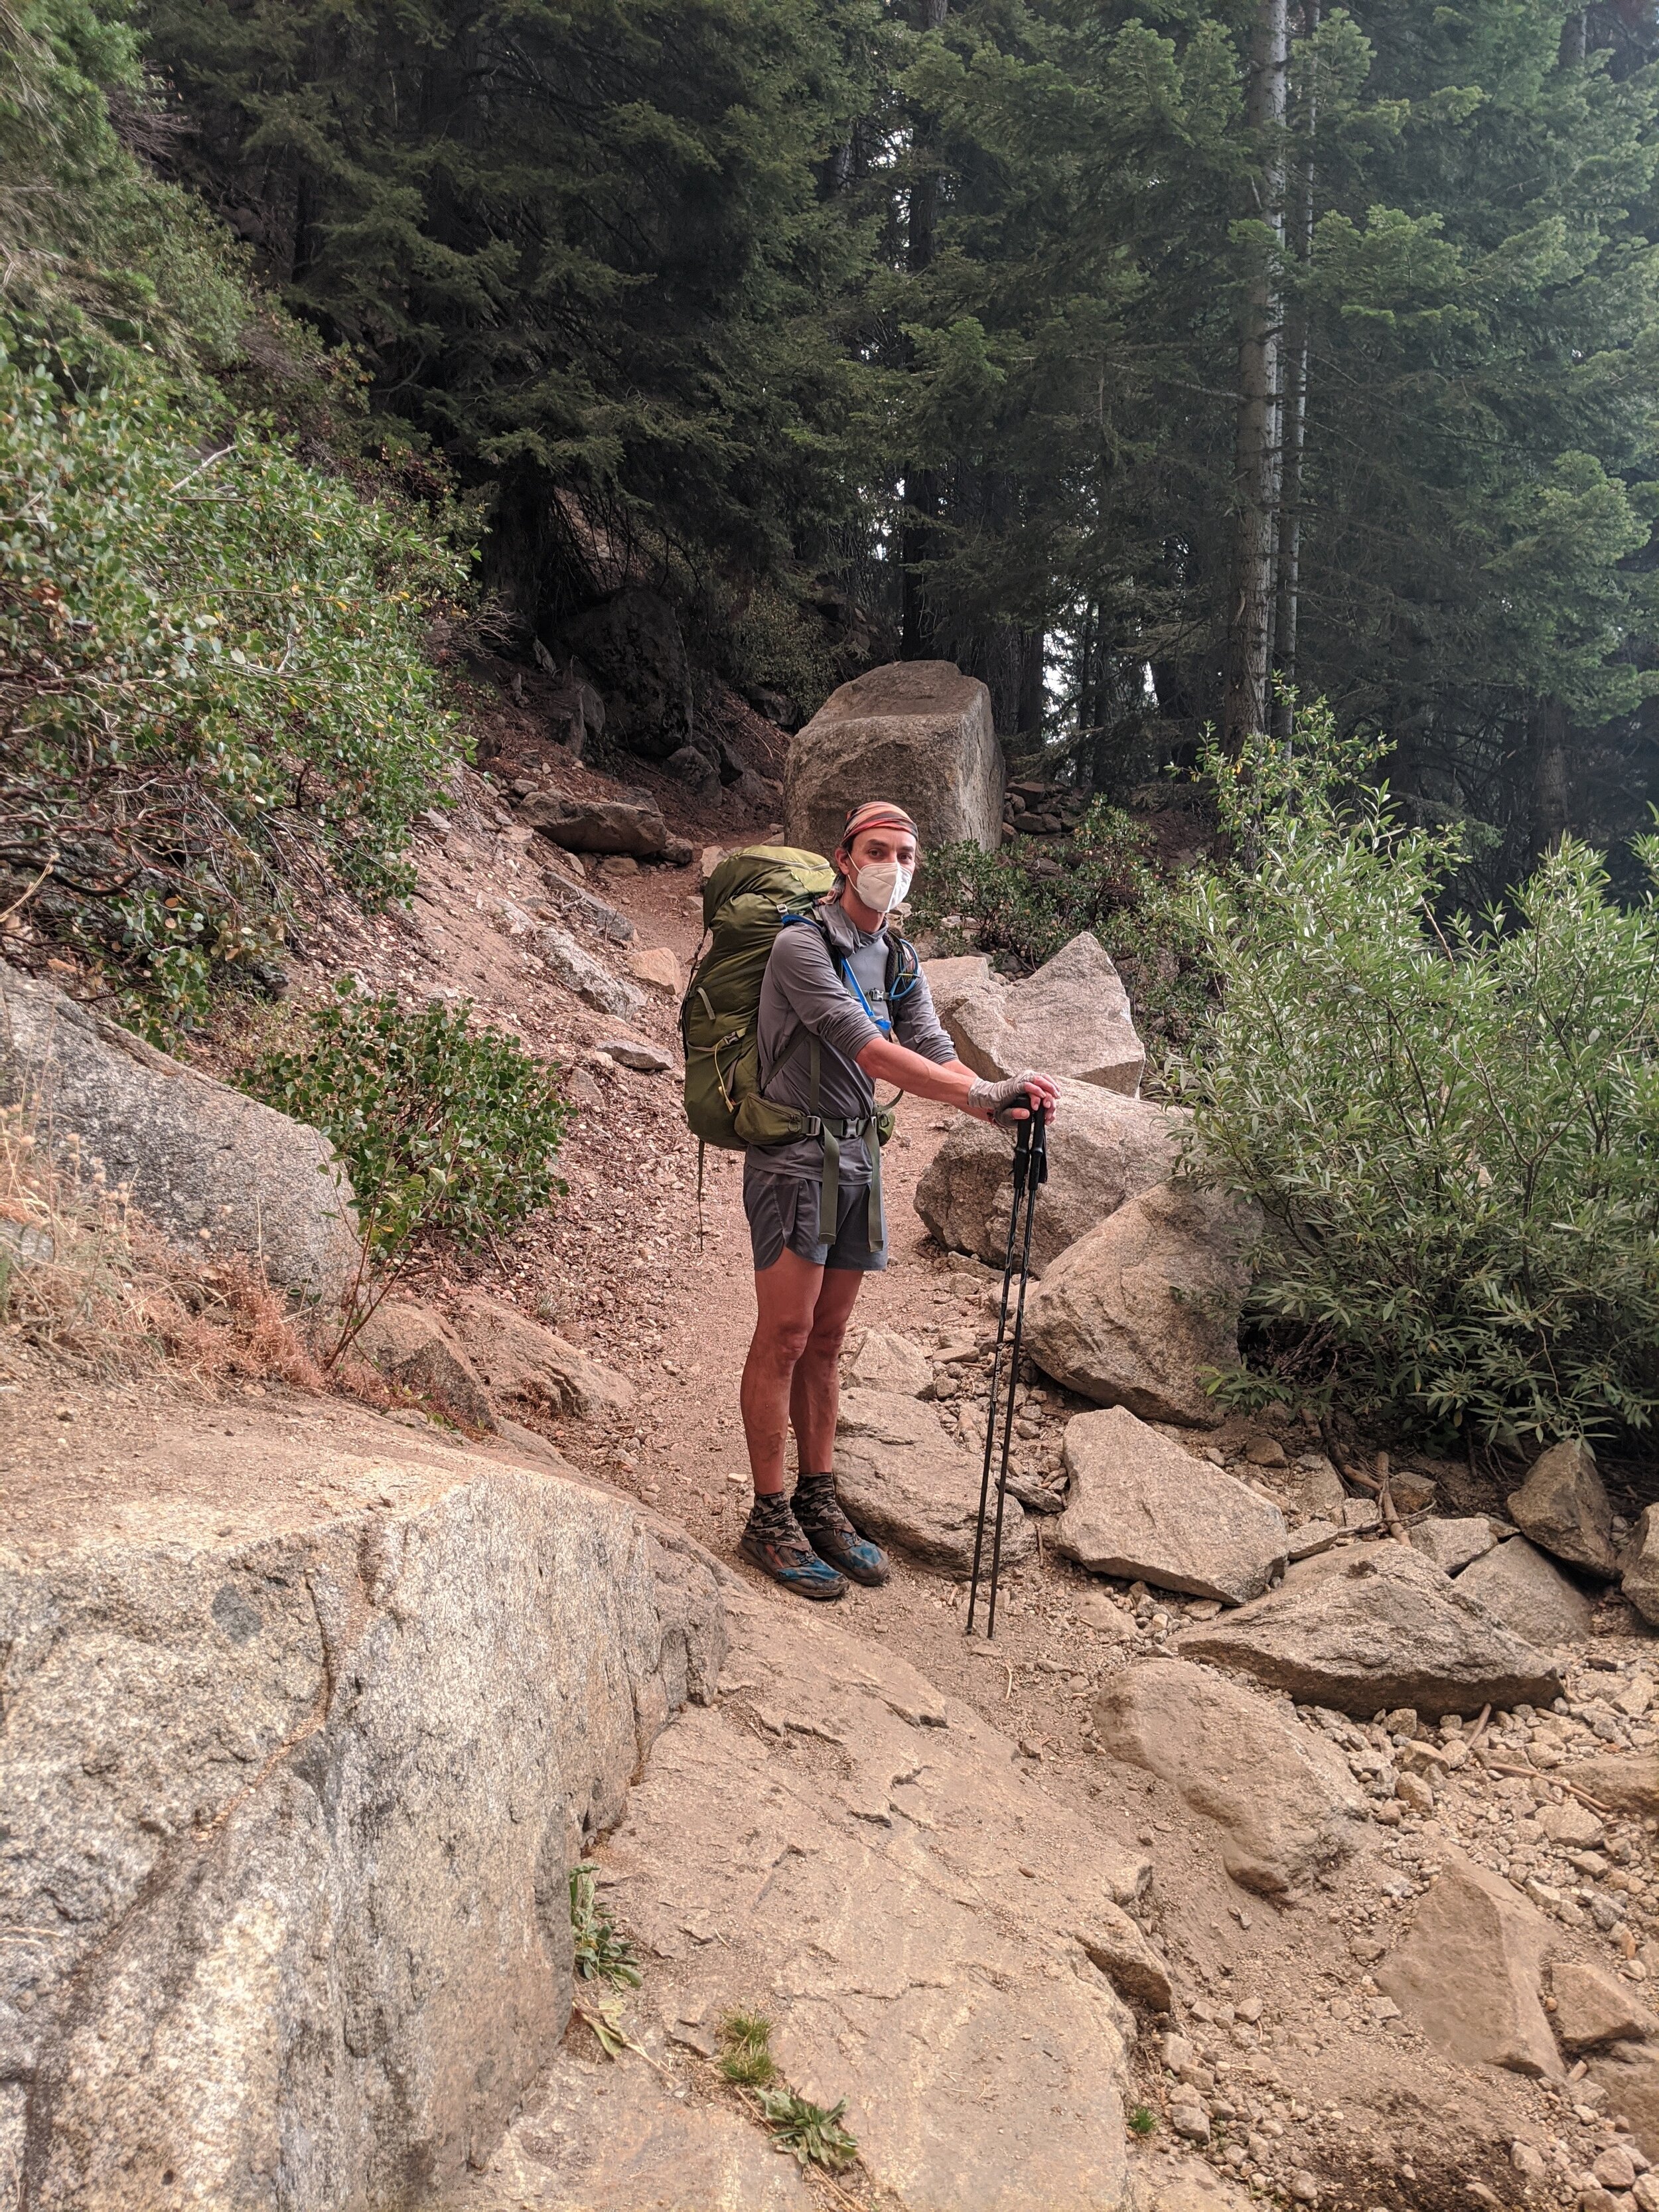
(815,1391)
(786,1302)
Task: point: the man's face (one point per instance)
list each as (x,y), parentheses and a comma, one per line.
(873,845)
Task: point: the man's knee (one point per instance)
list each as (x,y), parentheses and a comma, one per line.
(780,1340)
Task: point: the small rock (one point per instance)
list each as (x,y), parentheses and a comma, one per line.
(1191,2121)
(1265,1451)
(656,965)
(1564,1508)
(1116,1946)
(1467,1973)
(1411,1492)
(1312,1538)
(1312,1487)
(1614,2169)
(1452,1545)
(417,1348)
(1647,2193)
(1593,2008)
(1625,1782)
(1139,1506)
(691,2037)
(630,1052)
(1284,1802)
(905,1482)
(1639,1565)
(1572,1825)
(1360,1516)
(710,858)
(581,973)
(1412,1789)
(885,1361)
(1304,2190)
(520,1360)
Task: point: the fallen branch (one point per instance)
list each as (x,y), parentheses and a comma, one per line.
(1561,1782)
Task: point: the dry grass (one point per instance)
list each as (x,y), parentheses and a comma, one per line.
(86,1279)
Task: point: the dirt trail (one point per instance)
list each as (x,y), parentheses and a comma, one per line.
(1318,2075)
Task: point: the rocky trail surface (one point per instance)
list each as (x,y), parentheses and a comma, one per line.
(1159,1901)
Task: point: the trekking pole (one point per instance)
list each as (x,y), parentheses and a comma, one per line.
(1030,1169)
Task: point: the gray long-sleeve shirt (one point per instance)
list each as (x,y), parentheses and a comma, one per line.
(803,990)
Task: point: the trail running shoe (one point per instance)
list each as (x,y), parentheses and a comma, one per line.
(773,1541)
(833,1536)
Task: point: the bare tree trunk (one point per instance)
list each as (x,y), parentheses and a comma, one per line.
(1294,407)
(1249,639)
(917,623)
(1550,823)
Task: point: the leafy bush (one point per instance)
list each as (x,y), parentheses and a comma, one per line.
(211,680)
(441,1126)
(1450,1126)
(1024,903)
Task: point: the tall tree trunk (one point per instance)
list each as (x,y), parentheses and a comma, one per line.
(1550,823)
(1287,611)
(918,535)
(1249,639)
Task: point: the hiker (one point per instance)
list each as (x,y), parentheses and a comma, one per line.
(843,1005)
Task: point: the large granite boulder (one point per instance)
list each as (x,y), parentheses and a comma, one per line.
(1106,1149)
(291,1789)
(1528,1593)
(1467,1974)
(631,643)
(1564,1508)
(522,1364)
(1373,1629)
(214,1170)
(1638,1565)
(1071,1016)
(917,733)
(597,825)
(1145,1308)
(904,1482)
(1282,1801)
(1141,1508)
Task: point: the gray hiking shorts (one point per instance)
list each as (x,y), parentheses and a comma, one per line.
(783,1215)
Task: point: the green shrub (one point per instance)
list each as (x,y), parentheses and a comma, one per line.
(602,1954)
(1450,1126)
(1103,880)
(213,679)
(441,1126)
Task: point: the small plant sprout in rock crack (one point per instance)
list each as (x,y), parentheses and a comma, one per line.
(1142,2121)
(602,1954)
(813,2136)
(747,2058)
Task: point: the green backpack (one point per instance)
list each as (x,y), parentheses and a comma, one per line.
(744,904)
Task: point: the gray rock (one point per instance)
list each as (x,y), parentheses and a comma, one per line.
(416,1348)
(1529,1595)
(309,1795)
(917,733)
(597,825)
(521,1363)
(1564,1508)
(1311,1485)
(1451,1545)
(1117,1946)
(1467,1974)
(1141,1508)
(215,1171)
(1281,1798)
(1593,2009)
(587,978)
(633,1052)
(1106,1149)
(605,919)
(1071,1017)
(631,643)
(903,1482)
(1141,1310)
(883,1361)
(1377,1627)
(1638,1564)
(1312,1538)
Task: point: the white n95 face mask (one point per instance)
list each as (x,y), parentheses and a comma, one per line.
(882,885)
